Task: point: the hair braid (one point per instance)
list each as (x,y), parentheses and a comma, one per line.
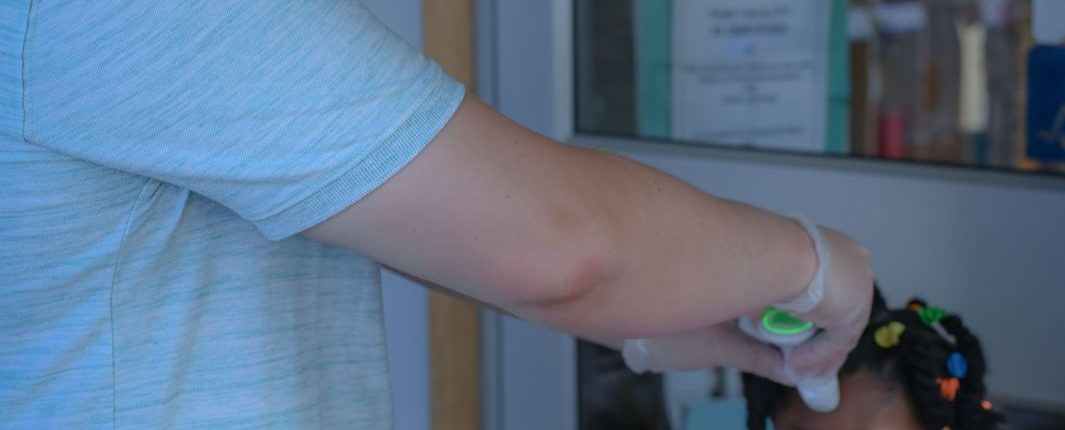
(922,356)
(968,405)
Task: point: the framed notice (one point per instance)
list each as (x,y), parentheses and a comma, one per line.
(751,72)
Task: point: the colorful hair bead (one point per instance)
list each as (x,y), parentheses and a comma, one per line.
(957,366)
(931,314)
(986,405)
(948,388)
(888,335)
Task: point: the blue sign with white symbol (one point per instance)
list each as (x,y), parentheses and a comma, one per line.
(1046,103)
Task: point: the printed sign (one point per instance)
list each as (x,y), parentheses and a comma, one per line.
(751,72)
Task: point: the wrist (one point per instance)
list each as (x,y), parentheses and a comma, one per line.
(812,256)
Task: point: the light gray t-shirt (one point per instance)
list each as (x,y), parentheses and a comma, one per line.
(157,159)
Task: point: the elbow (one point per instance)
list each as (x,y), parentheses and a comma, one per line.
(558,277)
(584,273)
(571,256)
(566,273)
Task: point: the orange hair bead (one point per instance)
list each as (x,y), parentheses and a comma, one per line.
(948,387)
(986,405)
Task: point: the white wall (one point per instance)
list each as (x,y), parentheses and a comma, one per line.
(406,303)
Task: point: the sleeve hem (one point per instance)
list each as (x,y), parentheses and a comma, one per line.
(415,133)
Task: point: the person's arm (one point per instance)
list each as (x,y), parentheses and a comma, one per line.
(576,239)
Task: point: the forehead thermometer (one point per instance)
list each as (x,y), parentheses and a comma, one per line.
(777,327)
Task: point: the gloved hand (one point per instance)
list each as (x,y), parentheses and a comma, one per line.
(720,345)
(838,301)
(841,307)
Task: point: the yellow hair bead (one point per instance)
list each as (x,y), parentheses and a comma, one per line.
(888,335)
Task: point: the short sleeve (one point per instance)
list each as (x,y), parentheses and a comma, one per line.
(284,111)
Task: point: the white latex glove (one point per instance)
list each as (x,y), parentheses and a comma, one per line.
(841,308)
(720,345)
(838,301)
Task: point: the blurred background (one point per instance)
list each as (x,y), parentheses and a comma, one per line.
(933,131)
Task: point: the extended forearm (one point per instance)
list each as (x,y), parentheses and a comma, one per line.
(577,239)
(680,258)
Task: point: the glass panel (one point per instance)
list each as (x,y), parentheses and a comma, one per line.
(966,82)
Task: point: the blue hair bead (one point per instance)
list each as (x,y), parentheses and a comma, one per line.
(957,366)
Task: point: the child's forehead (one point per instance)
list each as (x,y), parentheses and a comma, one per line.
(866,402)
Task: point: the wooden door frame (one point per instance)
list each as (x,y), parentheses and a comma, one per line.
(454,324)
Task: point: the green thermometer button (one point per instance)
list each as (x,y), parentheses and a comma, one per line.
(779,322)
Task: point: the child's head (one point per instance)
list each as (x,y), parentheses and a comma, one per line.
(914,368)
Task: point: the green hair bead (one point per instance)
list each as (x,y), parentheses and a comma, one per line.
(932,314)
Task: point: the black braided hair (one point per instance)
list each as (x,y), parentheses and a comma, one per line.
(968,407)
(915,365)
(921,358)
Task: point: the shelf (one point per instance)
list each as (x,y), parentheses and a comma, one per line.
(846,163)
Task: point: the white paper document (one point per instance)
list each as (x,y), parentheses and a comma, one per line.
(751,72)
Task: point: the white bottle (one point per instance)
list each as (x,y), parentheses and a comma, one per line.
(777,327)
